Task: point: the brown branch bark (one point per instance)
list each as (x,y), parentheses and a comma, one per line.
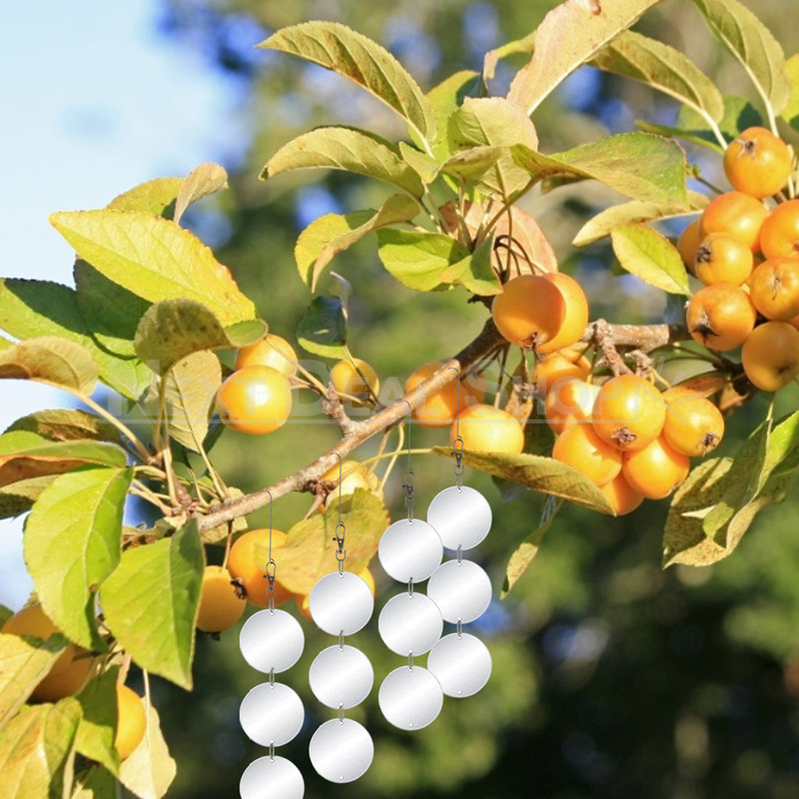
(600,333)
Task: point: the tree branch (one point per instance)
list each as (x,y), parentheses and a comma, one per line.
(600,333)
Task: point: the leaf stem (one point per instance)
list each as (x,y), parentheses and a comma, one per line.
(141,450)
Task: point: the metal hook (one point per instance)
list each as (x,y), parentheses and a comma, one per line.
(271,566)
(340,532)
(457,444)
(410,477)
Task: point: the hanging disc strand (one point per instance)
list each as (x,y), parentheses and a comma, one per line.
(341,553)
(410,478)
(457,444)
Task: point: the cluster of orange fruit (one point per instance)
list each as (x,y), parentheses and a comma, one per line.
(73,669)
(746,254)
(631,440)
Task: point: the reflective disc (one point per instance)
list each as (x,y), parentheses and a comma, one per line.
(461,590)
(341,602)
(460,516)
(410,698)
(341,750)
(410,550)
(271,714)
(341,676)
(410,623)
(271,639)
(268,777)
(461,663)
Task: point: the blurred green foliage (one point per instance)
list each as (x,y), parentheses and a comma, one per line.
(612,679)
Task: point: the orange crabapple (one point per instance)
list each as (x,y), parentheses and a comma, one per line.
(529,312)
(579,446)
(736,213)
(656,470)
(720,316)
(757,162)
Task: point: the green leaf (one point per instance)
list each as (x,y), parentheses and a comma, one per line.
(24,663)
(150,603)
(538,473)
(446,98)
(323,329)
(204,180)
(150,769)
(425,166)
(37,751)
(649,255)
(19,497)
(523,46)
(416,259)
(570,35)
(684,540)
(73,542)
(97,729)
(639,165)
(475,272)
(5,614)
(474,164)
(111,312)
(154,258)
(190,392)
(173,329)
(25,455)
(791,111)
(338,48)
(489,121)
(67,424)
(751,42)
(525,553)
(635,212)
(153,197)
(664,68)
(330,234)
(310,549)
(95,782)
(52,360)
(347,149)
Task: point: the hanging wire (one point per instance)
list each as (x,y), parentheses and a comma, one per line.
(341,553)
(271,566)
(457,444)
(410,477)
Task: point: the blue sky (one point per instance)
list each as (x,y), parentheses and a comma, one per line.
(94,101)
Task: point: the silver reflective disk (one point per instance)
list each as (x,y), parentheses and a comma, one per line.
(410,550)
(271,639)
(460,516)
(271,714)
(410,698)
(269,777)
(461,663)
(341,602)
(341,676)
(461,589)
(341,750)
(410,623)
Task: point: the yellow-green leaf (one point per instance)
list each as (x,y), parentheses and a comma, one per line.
(53,360)
(150,769)
(202,181)
(97,729)
(647,254)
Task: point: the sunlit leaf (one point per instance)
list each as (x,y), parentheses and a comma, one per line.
(475,272)
(73,542)
(204,180)
(791,111)
(153,197)
(25,455)
(751,42)
(37,751)
(154,258)
(523,46)
(330,234)
(150,603)
(684,540)
(633,212)
(150,769)
(353,55)
(525,553)
(664,68)
(417,259)
(639,165)
(310,549)
(24,662)
(445,98)
(571,34)
(53,360)
(538,473)
(649,255)
(173,329)
(95,782)
(67,424)
(97,729)
(348,149)
(323,329)
(191,388)
(19,497)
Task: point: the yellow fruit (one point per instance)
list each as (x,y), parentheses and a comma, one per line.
(575,316)
(272,351)
(131,721)
(68,682)
(32,621)
(247,562)
(579,446)
(484,428)
(621,496)
(770,356)
(439,408)
(628,412)
(255,400)
(529,312)
(220,607)
(354,475)
(355,378)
